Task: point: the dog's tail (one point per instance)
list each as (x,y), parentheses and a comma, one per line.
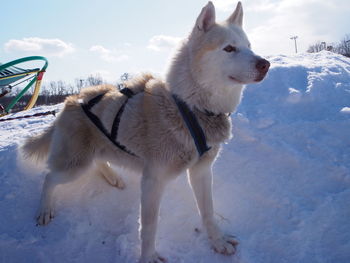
(36,148)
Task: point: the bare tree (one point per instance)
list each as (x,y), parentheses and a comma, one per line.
(125,76)
(344,46)
(94,80)
(55,91)
(79,84)
(317,47)
(61,88)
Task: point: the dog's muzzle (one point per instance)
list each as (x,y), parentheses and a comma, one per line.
(262,65)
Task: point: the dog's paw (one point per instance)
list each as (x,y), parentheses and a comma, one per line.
(44,216)
(119,183)
(155,258)
(226,245)
(111,177)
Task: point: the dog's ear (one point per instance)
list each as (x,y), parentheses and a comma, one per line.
(237,16)
(206,19)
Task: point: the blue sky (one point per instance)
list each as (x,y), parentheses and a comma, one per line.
(110,37)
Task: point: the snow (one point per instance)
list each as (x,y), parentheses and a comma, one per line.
(281,185)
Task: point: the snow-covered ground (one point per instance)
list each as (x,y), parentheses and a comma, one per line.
(282,185)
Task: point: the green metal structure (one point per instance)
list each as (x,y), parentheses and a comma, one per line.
(10,75)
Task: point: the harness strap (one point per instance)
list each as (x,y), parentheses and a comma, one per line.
(95,120)
(188,116)
(127,92)
(114,132)
(193,126)
(93,102)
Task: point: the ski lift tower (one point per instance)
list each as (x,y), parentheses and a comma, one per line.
(295,43)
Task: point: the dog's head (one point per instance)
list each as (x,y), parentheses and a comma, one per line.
(221,52)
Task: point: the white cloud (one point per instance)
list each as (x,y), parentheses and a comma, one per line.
(107,54)
(42,46)
(162,42)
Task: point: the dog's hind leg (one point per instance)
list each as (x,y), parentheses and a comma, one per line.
(70,154)
(111,176)
(46,209)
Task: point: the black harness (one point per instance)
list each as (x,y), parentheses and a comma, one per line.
(112,136)
(188,116)
(193,126)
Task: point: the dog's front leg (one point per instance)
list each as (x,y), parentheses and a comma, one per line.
(152,186)
(200,177)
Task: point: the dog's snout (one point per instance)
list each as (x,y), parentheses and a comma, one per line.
(262,65)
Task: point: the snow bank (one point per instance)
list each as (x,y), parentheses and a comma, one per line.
(281,185)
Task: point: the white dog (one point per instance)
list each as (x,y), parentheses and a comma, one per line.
(158,128)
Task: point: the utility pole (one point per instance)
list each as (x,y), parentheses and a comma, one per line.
(295,43)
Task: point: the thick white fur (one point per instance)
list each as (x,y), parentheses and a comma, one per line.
(204,76)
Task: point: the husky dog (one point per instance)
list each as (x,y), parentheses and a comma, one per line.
(146,127)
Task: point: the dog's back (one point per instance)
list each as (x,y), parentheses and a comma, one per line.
(73,126)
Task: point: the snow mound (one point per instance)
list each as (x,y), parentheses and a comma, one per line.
(281,185)
(302,87)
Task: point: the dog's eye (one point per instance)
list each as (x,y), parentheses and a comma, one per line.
(230,48)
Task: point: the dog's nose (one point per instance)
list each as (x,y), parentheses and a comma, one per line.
(262,65)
